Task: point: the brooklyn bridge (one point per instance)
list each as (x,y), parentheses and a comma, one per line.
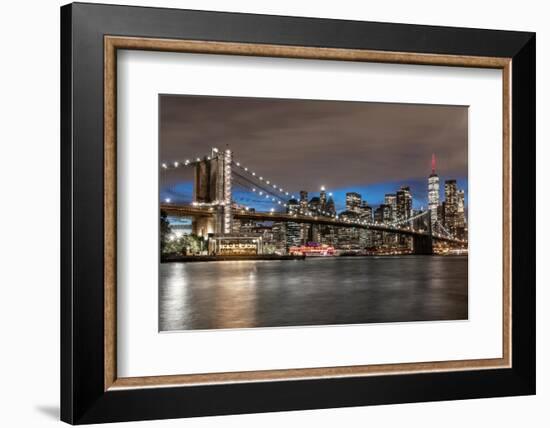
(214,211)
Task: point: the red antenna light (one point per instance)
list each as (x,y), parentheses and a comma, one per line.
(433,163)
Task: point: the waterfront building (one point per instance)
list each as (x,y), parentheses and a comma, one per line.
(331,207)
(293,231)
(233,245)
(461,216)
(315,205)
(353,202)
(366,212)
(312,250)
(433,193)
(243,227)
(349,237)
(390,199)
(403,203)
(180,228)
(279,237)
(441,213)
(304,210)
(323,199)
(451,206)
(380,216)
(329,236)
(383,214)
(236,226)
(303,201)
(293,206)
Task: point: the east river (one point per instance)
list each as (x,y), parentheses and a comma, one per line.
(315,291)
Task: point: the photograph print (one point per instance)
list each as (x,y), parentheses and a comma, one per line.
(291,212)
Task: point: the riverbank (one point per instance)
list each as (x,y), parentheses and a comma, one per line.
(175,258)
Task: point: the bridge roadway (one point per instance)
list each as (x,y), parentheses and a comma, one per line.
(190,211)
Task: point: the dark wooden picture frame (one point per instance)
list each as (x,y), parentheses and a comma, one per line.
(90,389)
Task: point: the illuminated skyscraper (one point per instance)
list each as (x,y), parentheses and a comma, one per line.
(403,203)
(349,237)
(331,208)
(366,212)
(303,201)
(323,198)
(390,199)
(451,206)
(293,232)
(304,209)
(433,193)
(353,202)
(382,214)
(460,216)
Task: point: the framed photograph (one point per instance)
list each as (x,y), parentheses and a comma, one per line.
(266,213)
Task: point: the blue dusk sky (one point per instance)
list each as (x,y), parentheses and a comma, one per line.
(368,148)
(373,193)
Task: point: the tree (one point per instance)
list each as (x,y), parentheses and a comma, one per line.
(165,231)
(184,245)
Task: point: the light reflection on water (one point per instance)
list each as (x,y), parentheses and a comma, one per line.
(316,291)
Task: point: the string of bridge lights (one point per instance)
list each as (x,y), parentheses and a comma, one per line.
(264,180)
(177,164)
(277,188)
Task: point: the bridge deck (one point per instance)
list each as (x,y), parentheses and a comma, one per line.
(189,210)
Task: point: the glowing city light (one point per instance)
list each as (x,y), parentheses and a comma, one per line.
(318,207)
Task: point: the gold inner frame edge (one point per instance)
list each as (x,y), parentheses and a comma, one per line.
(113,43)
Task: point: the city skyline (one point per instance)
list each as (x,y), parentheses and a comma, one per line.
(374,194)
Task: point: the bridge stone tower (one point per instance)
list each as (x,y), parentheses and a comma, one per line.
(213,188)
(423,245)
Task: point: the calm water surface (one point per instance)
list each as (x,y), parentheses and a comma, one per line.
(315,291)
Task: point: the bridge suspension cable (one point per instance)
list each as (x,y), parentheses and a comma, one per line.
(445,231)
(261,192)
(408,220)
(180,164)
(260,179)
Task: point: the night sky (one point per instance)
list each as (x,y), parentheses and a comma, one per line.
(369,148)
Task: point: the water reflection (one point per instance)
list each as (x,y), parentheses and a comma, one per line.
(317,291)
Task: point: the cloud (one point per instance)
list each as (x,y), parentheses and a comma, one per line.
(303,144)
